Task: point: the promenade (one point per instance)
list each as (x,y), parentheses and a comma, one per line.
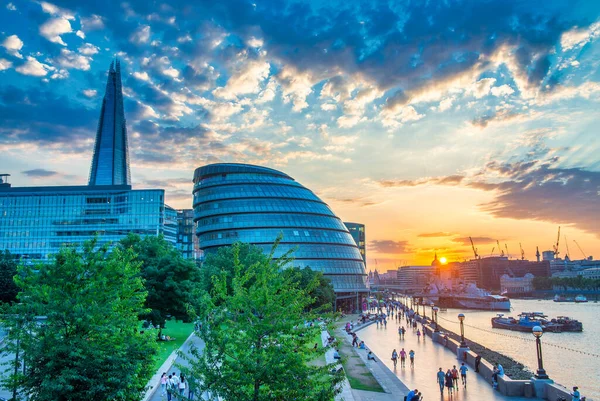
(429,356)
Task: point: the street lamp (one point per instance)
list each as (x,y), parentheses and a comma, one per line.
(432,305)
(541,373)
(461,318)
(435,309)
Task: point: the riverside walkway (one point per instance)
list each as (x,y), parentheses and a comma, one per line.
(429,356)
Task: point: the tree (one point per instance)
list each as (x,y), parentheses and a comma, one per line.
(88,347)
(257,342)
(323,293)
(172,282)
(8,269)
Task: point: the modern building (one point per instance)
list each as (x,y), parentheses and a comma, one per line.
(357,231)
(36,221)
(414,278)
(253,204)
(516,286)
(187,241)
(492,268)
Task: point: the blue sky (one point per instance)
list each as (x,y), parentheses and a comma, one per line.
(455,118)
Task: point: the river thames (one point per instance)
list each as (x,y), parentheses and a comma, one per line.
(571,359)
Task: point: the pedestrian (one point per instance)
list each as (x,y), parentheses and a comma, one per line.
(395,357)
(411,354)
(477,362)
(495,378)
(576,394)
(418,335)
(163,384)
(182,385)
(441,379)
(400,332)
(463,374)
(418,397)
(455,377)
(411,394)
(385,322)
(403,332)
(402,358)
(449,384)
(170,387)
(354,340)
(175,379)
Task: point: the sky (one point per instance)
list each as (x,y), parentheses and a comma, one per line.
(428,121)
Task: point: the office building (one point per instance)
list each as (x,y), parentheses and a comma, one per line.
(36,221)
(253,204)
(357,231)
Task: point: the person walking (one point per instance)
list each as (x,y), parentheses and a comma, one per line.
(454,372)
(182,385)
(441,379)
(402,358)
(576,394)
(170,387)
(418,335)
(449,384)
(411,355)
(403,332)
(395,357)
(163,384)
(463,374)
(477,362)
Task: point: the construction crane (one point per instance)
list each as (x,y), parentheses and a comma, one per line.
(568,256)
(507,254)
(474,249)
(491,253)
(522,252)
(499,248)
(583,253)
(556,252)
(537,253)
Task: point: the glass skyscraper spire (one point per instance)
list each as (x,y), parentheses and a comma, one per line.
(110,164)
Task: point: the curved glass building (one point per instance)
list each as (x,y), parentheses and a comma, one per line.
(253,204)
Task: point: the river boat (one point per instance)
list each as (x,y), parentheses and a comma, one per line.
(526,321)
(577,299)
(466,297)
(580,299)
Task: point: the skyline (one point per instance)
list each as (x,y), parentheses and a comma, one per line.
(427,123)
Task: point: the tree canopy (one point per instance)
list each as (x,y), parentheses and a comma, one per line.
(87,346)
(256,335)
(8,269)
(172,282)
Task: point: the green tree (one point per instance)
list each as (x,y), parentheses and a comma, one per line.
(172,282)
(257,342)
(323,293)
(88,347)
(8,269)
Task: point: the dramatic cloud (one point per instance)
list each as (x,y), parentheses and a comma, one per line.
(13,44)
(69,59)
(389,246)
(476,240)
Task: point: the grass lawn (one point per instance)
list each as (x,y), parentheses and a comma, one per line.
(175,329)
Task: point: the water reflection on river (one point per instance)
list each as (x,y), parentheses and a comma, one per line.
(563,365)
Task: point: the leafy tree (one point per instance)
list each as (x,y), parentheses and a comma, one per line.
(8,269)
(88,347)
(323,293)
(257,342)
(172,282)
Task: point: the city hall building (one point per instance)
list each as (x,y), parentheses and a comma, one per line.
(253,204)
(35,222)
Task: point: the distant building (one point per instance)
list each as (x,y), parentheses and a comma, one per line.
(254,204)
(591,273)
(187,241)
(516,285)
(357,231)
(414,278)
(492,268)
(35,222)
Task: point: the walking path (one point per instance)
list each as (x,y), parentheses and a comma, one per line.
(429,356)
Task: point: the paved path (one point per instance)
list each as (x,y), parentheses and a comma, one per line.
(429,356)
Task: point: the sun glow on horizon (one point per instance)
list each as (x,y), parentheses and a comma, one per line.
(443,260)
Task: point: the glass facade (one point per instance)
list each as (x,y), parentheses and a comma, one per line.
(357,231)
(35,222)
(252,204)
(187,241)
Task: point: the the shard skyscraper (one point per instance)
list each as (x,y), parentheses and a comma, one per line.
(110,164)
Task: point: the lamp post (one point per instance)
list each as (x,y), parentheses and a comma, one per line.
(435,309)
(432,305)
(541,373)
(461,318)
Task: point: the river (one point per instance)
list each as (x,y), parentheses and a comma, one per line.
(571,359)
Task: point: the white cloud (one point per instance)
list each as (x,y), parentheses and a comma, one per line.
(482,87)
(142,76)
(88,49)
(296,87)
(34,68)
(268,93)
(147,112)
(11,7)
(328,106)
(60,74)
(171,72)
(578,37)
(80,34)
(184,38)
(446,104)
(90,92)
(92,23)
(69,59)
(57,11)
(396,116)
(502,90)
(13,44)
(4,64)
(141,35)
(254,42)
(246,80)
(348,121)
(53,28)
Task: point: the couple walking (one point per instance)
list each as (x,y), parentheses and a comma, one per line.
(450,378)
(411,355)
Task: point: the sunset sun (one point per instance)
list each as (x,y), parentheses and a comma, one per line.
(443,260)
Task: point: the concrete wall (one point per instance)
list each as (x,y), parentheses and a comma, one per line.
(553,391)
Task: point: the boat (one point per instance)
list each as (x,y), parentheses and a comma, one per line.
(528,320)
(466,297)
(580,299)
(577,299)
